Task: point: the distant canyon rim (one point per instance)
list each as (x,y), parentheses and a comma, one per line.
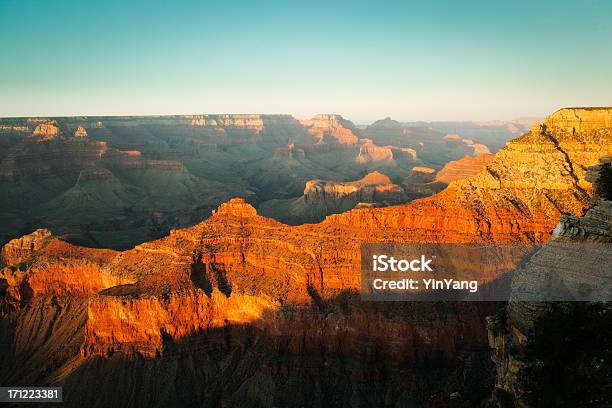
(246,294)
(118,181)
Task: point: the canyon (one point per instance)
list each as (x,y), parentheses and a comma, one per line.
(541,342)
(116,182)
(241,309)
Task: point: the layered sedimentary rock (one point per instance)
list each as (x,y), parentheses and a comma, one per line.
(421,182)
(325,197)
(52,267)
(47,130)
(466,167)
(19,249)
(80,132)
(34,159)
(332,127)
(522,192)
(494,133)
(290,152)
(257,310)
(540,344)
(580,119)
(369,152)
(170,171)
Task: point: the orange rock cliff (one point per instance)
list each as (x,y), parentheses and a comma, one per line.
(237,268)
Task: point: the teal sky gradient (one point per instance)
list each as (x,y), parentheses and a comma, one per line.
(427,60)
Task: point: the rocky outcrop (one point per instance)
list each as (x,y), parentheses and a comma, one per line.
(421,182)
(370,153)
(290,152)
(35,159)
(540,344)
(80,132)
(466,167)
(18,250)
(374,187)
(46,130)
(325,197)
(261,311)
(236,207)
(521,193)
(40,264)
(571,120)
(329,127)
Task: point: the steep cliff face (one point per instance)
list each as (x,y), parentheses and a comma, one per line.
(18,250)
(370,153)
(271,295)
(33,159)
(275,305)
(558,353)
(39,264)
(421,182)
(463,168)
(171,171)
(520,194)
(46,131)
(324,197)
(579,120)
(332,127)
(80,131)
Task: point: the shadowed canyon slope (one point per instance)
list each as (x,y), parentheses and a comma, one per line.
(540,345)
(119,181)
(325,197)
(240,309)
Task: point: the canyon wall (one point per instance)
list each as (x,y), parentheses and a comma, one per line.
(241,296)
(540,345)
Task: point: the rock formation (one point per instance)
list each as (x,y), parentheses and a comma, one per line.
(290,152)
(17,250)
(170,171)
(466,167)
(421,182)
(46,130)
(263,313)
(542,344)
(494,133)
(370,153)
(580,119)
(80,132)
(324,197)
(332,127)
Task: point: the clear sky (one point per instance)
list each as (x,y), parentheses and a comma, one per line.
(412,60)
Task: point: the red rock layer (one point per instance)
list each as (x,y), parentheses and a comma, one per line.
(466,167)
(240,268)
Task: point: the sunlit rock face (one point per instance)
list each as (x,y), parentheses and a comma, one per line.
(164,172)
(325,197)
(369,152)
(46,131)
(19,249)
(245,300)
(334,127)
(80,132)
(572,120)
(541,344)
(463,168)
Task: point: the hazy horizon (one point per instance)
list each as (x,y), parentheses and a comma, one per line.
(440,61)
(298,117)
